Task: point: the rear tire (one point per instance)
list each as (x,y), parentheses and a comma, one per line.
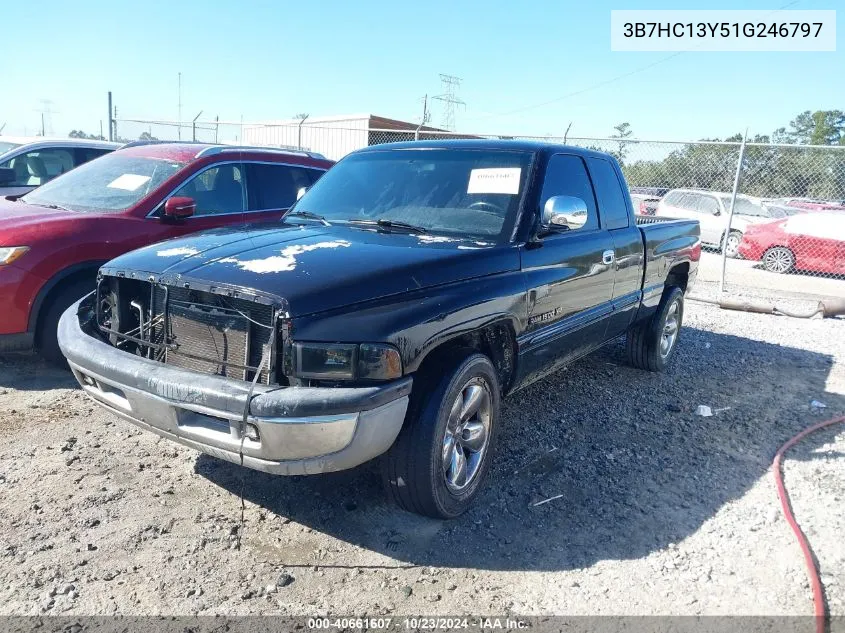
(46,340)
(779,259)
(438,463)
(652,344)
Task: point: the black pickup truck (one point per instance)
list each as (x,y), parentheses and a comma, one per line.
(400,299)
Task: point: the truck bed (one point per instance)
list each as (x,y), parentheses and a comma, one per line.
(667,242)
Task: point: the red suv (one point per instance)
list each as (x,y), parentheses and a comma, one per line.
(53,239)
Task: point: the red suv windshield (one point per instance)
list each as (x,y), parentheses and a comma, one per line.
(111,183)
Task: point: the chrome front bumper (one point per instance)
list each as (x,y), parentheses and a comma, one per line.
(290,430)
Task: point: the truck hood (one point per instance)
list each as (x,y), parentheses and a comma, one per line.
(318,268)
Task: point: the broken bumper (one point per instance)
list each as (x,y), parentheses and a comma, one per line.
(290,430)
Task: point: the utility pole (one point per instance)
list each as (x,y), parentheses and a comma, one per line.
(179,118)
(111,120)
(449,84)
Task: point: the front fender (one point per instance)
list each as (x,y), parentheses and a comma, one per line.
(417,322)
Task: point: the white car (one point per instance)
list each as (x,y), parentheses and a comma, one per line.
(711,209)
(27,162)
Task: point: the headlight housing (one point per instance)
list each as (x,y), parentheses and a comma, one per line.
(8,254)
(342,361)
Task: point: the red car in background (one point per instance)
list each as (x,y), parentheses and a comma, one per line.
(54,239)
(812,242)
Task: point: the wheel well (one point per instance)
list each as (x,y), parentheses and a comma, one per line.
(497,341)
(678,276)
(722,237)
(58,286)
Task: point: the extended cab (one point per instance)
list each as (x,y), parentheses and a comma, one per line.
(54,239)
(403,296)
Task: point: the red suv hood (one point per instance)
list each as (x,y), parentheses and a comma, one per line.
(18,217)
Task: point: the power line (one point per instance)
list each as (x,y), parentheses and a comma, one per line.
(606,82)
(595,86)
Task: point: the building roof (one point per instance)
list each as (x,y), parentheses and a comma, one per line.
(374,121)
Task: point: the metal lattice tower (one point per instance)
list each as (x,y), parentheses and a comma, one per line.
(449,85)
(47,113)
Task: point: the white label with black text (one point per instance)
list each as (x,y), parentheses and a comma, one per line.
(494,180)
(128,182)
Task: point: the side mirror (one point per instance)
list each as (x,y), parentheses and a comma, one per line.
(566,212)
(7,175)
(179,207)
(301,192)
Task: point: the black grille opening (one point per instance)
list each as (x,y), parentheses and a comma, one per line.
(193,329)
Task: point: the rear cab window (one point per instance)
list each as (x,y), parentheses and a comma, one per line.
(611,196)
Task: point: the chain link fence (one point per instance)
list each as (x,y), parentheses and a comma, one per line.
(786,237)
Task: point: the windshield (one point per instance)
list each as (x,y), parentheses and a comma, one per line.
(468,193)
(6,146)
(110,183)
(744,206)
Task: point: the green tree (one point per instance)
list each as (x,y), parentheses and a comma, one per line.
(822,127)
(81,134)
(623,131)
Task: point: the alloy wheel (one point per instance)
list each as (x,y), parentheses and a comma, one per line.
(467,434)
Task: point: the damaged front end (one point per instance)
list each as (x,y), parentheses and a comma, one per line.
(202,365)
(204,328)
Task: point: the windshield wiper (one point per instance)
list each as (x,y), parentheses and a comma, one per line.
(390,224)
(309,216)
(58,207)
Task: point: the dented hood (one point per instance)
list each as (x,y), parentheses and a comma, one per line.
(318,268)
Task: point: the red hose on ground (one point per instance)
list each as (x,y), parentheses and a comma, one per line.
(812,570)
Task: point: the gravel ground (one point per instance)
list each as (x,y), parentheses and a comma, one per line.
(654,510)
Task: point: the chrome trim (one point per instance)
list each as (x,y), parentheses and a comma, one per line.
(160,205)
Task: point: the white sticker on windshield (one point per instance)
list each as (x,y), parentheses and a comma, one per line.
(129,182)
(494,180)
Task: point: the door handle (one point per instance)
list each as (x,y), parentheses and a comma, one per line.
(608,257)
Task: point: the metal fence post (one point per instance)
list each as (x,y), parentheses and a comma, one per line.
(299,131)
(731,212)
(194,127)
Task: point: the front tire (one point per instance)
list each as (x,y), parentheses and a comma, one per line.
(732,244)
(779,259)
(438,463)
(47,343)
(652,344)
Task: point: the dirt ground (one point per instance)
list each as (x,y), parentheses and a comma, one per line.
(654,509)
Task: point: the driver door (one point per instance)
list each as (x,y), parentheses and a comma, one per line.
(569,276)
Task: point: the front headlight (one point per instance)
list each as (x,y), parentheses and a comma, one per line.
(343,361)
(8,254)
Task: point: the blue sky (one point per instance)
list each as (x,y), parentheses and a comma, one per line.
(272,59)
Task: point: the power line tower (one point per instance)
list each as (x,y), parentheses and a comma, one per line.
(46,111)
(449,84)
